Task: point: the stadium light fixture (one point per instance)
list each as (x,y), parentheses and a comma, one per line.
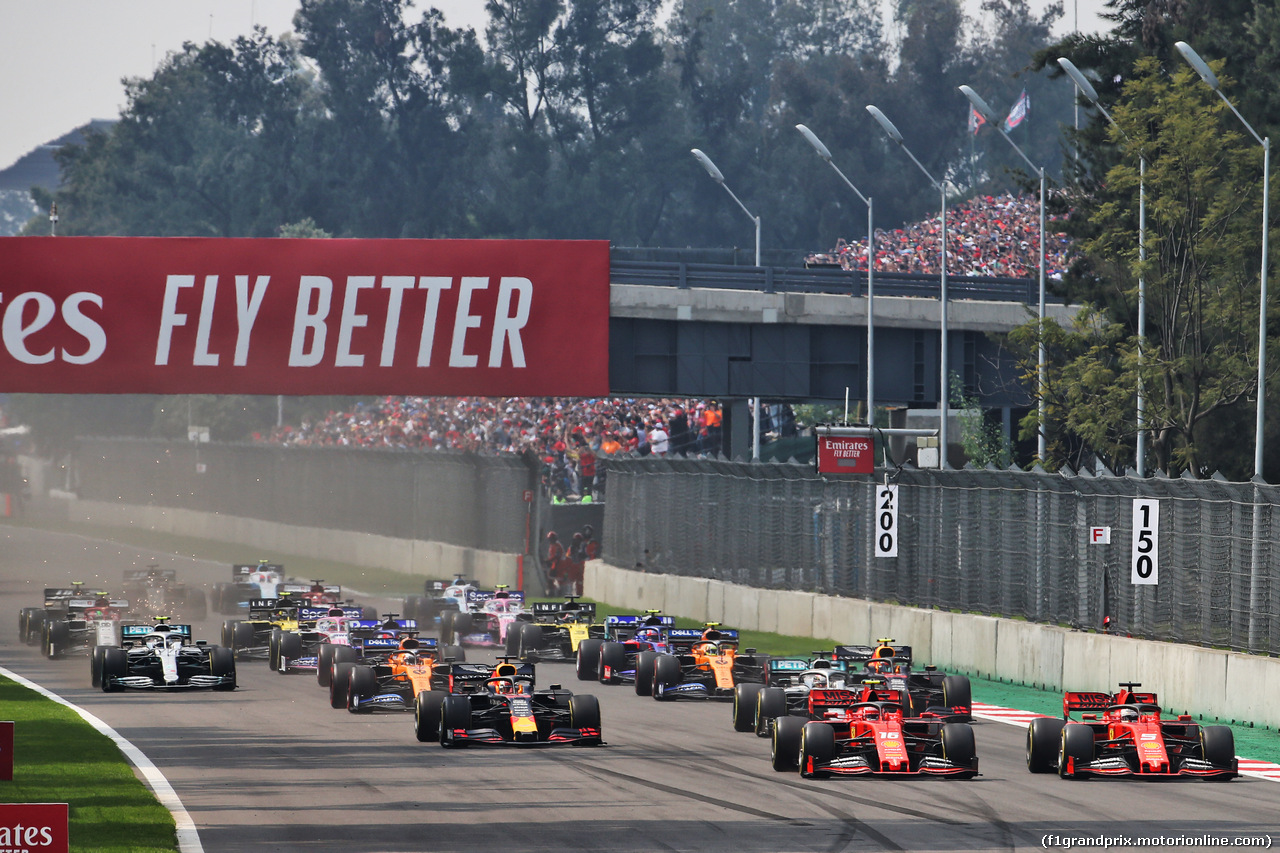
(944,402)
(825,154)
(1211,80)
(718,177)
(986,112)
(1091,95)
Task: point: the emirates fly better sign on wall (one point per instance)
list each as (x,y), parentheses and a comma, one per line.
(164,315)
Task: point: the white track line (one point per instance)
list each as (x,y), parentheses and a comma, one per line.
(188,838)
(1012,716)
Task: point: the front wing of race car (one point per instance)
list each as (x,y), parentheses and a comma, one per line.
(145,682)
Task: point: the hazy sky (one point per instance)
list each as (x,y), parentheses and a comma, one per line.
(61,61)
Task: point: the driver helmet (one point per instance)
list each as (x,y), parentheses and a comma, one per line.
(814,679)
(649,635)
(1128,715)
(502,686)
(881,665)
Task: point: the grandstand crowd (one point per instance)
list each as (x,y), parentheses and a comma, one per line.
(986,236)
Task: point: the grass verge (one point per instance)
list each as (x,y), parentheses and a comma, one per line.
(59,758)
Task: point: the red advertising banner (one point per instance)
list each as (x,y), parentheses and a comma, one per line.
(165,315)
(6,749)
(845,455)
(34,827)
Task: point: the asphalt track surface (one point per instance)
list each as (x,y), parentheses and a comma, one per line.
(273,767)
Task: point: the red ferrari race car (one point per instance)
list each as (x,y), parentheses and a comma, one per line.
(847,737)
(1128,738)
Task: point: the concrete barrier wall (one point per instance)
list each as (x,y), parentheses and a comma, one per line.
(1208,682)
(430,559)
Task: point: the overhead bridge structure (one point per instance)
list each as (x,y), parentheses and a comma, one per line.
(787,333)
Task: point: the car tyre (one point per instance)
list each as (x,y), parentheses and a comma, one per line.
(785,748)
(745,698)
(817,743)
(1043,737)
(666,674)
(426,715)
(455,714)
(95,665)
(588,662)
(771,703)
(1218,745)
(1075,747)
(584,712)
(958,745)
(362,685)
(339,683)
(645,662)
(613,658)
(115,664)
(289,648)
(222,662)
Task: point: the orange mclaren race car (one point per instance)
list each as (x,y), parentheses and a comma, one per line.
(707,667)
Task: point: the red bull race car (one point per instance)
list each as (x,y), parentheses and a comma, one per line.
(1125,735)
(846,736)
(507,710)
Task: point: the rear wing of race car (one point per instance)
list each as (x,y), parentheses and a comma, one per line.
(477,672)
(370,626)
(241,571)
(59,594)
(269,605)
(1089,701)
(862,654)
(310,614)
(686,638)
(86,603)
(552,609)
(134,632)
(477,596)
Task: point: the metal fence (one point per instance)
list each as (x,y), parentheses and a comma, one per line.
(459,498)
(1003,543)
(790,279)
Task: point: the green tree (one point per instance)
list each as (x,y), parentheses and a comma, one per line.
(1201,279)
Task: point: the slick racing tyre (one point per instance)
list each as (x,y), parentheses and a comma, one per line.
(957,694)
(1218,745)
(426,715)
(528,640)
(770,705)
(222,662)
(645,662)
(363,685)
(666,674)
(241,636)
(817,744)
(957,744)
(95,665)
(1075,748)
(745,698)
(288,649)
(455,715)
(273,649)
(785,749)
(57,638)
(613,658)
(115,664)
(1043,736)
(588,661)
(584,711)
(340,683)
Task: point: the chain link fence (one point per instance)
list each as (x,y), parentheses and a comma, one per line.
(458,498)
(1002,543)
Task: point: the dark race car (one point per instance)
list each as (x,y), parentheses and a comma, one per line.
(164,657)
(614,658)
(930,689)
(249,581)
(251,638)
(785,690)
(302,650)
(158,592)
(553,630)
(31,620)
(848,737)
(1126,736)
(508,710)
(75,625)
(702,664)
(438,597)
